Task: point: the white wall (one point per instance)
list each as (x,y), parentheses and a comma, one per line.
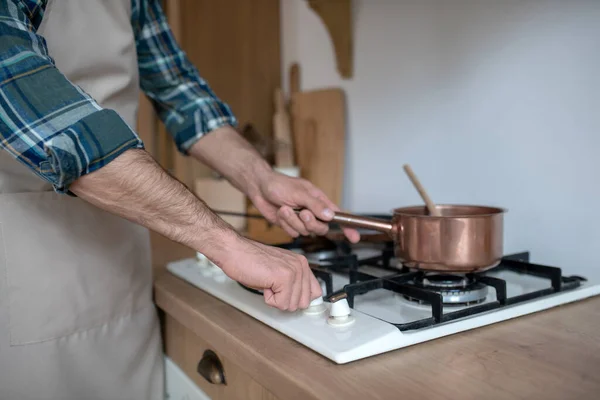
(492,102)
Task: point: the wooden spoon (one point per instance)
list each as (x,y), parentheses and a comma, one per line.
(415,181)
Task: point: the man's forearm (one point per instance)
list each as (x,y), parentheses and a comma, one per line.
(231,155)
(135,187)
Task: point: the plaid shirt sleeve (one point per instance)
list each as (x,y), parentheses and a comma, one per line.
(183,100)
(47,123)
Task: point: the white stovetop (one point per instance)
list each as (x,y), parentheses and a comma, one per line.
(371,333)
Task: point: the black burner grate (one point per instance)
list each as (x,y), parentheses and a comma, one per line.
(399,280)
(401,283)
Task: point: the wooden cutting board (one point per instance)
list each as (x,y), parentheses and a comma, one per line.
(319,126)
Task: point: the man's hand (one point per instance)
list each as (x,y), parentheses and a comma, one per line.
(277,195)
(274,194)
(284,277)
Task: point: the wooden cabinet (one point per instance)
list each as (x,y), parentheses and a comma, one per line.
(217,376)
(235,44)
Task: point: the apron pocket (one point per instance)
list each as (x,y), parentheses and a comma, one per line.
(70,266)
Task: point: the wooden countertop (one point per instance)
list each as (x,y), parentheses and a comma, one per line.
(553,354)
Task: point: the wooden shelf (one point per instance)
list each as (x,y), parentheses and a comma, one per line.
(337,17)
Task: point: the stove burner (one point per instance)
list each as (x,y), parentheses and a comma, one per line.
(322,255)
(314,245)
(458,290)
(440,281)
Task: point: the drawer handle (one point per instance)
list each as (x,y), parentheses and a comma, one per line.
(211,369)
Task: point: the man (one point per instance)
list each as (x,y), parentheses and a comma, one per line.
(77,192)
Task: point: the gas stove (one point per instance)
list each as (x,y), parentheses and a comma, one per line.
(373,304)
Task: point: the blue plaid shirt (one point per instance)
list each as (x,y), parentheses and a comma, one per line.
(61,133)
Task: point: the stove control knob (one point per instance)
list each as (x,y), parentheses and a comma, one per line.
(340,309)
(316,307)
(339,314)
(317,301)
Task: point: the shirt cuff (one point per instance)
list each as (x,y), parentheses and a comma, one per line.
(86,146)
(199,121)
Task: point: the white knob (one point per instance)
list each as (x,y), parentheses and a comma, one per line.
(339,314)
(316,302)
(315,307)
(340,309)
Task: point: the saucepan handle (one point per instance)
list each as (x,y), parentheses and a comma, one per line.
(341,218)
(357,221)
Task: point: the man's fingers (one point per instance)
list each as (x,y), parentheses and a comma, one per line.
(269,297)
(350,233)
(276,300)
(315,287)
(289,230)
(268,210)
(288,215)
(312,224)
(305,297)
(296,289)
(316,202)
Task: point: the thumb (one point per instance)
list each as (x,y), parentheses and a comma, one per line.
(315,288)
(315,204)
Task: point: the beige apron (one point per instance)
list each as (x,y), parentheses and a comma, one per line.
(76,314)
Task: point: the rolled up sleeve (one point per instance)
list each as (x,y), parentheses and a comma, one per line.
(183,100)
(46,122)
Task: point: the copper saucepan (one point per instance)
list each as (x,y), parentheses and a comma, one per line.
(463,239)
